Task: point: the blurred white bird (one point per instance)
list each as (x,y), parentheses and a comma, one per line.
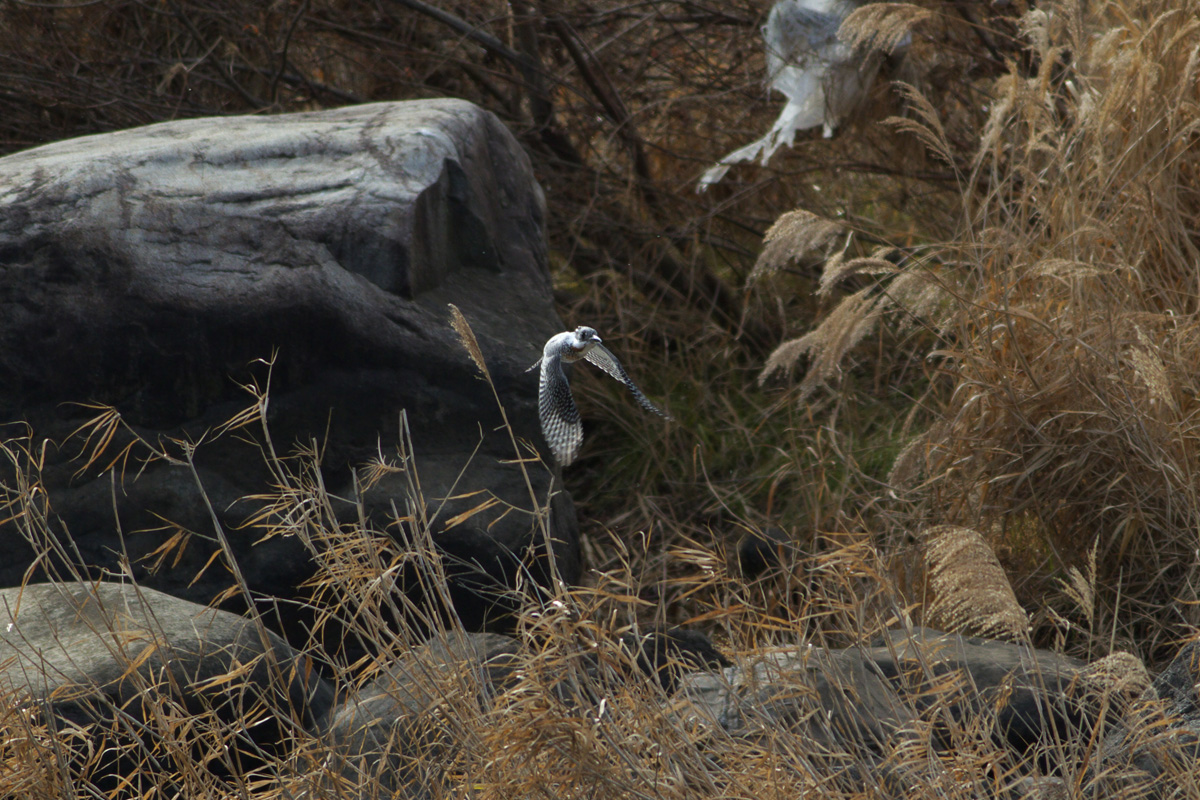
(560,417)
(821,76)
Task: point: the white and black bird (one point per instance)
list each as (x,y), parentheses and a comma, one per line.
(823,78)
(560,417)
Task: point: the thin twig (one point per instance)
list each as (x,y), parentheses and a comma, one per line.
(597,80)
(471,32)
(283,51)
(532,73)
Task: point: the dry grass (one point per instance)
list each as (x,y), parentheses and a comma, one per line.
(1005,343)
(1074,388)
(569,716)
(1063,304)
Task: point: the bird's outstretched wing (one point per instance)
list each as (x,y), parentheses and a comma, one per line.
(602,358)
(560,416)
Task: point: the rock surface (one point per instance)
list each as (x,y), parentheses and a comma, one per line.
(396,735)
(858,706)
(96,662)
(835,701)
(136,688)
(1029,694)
(1160,740)
(157,270)
(397,732)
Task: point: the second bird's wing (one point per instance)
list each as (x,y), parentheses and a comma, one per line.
(602,358)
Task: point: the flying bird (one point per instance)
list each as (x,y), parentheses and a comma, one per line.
(556,407)
(823,78)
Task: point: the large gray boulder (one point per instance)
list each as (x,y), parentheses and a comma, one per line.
(835,701)
(394,737)
(1031,697)
(157,270)
(856,707)
(128,679)
(1156,745)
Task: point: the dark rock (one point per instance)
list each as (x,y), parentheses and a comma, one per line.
(1160,739)
(156,270)
(836,701)
(858,705)
(394,737)
(123,674)
(585,671)
(1176,685)
(1030,694)
(763,551)
(667,655)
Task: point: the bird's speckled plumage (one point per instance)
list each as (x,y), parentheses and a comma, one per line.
(561,424)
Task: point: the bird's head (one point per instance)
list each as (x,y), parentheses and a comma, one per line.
(571,346)
(585,339)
